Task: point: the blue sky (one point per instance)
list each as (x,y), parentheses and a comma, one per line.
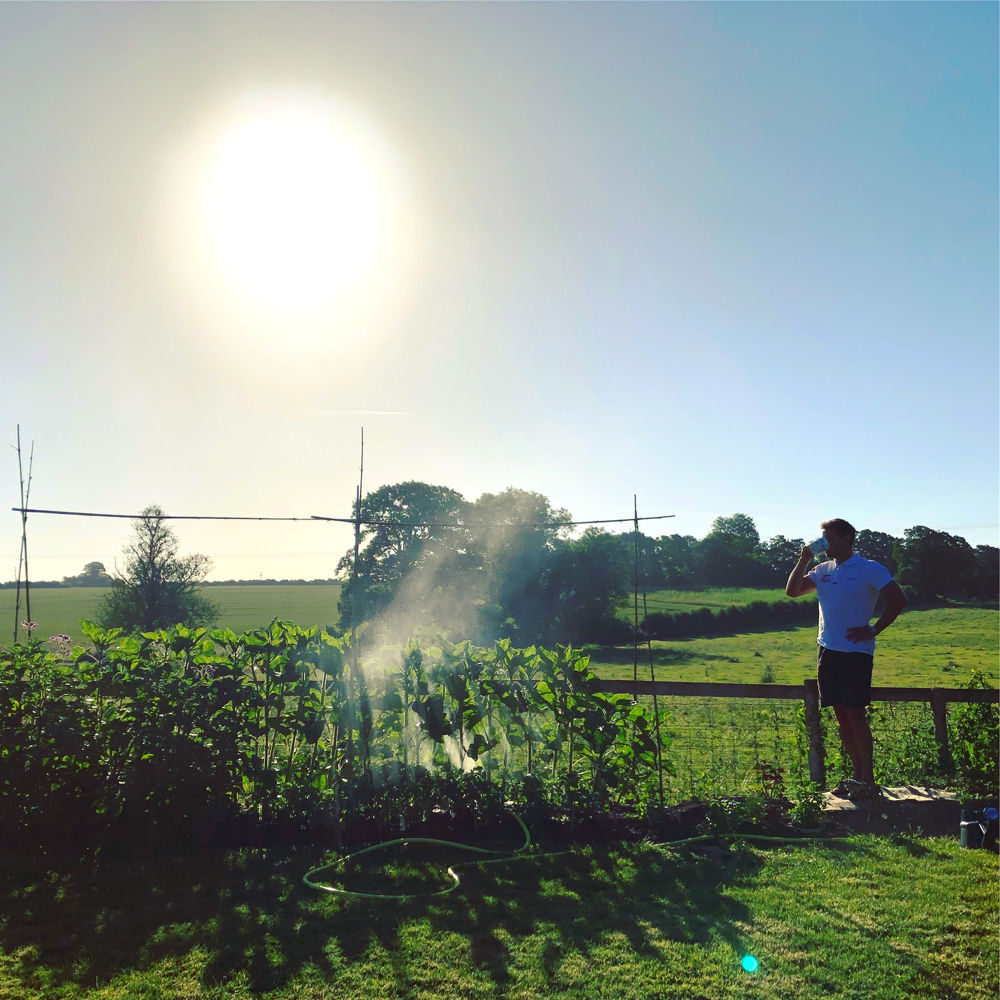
(726,257)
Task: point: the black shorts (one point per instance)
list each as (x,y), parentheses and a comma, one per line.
(844,678)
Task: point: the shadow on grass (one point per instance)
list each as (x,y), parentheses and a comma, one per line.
(914,848)
(251,916)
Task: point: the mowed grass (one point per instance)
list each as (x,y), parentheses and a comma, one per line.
(60,610)
(893,919)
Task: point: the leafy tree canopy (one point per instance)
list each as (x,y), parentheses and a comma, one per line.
(739,526)
(93,575)
(879,546)
(157,588)
(936,563)
(411,531)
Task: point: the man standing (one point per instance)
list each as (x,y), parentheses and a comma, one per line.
(848,587)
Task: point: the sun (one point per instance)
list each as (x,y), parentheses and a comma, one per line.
(285,204)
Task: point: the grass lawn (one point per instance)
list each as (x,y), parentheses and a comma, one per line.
(892,919)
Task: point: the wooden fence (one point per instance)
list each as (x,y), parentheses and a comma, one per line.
(808,693)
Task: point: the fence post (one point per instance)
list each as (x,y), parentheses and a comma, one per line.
(817,765)
(940,709)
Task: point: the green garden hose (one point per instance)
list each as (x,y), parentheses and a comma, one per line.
(516,855)
(456,881)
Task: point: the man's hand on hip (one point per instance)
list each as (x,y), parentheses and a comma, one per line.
(861,633)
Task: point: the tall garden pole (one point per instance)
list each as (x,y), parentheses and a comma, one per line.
(635,593)
(649,649)
(357,534)
(23,559)
(354,602)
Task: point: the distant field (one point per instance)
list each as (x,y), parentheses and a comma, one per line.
(923,648)
(60,610)
(679,601)
(930,648)
(251,607)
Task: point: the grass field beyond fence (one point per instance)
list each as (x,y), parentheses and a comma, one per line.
(713,598)
(719,744)
(59,609)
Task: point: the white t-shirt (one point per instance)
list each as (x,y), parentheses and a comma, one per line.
(847,594)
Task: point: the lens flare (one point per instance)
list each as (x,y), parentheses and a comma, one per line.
(749,963)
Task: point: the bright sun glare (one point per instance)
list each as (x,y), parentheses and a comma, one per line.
(289,205)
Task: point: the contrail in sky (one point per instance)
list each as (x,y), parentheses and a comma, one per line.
(357,413)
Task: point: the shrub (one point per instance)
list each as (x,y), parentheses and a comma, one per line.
(758,616)
(185,735)
(974,737)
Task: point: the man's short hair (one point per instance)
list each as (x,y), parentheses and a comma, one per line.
(842,527)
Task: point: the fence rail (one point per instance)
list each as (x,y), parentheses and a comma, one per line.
(808,693)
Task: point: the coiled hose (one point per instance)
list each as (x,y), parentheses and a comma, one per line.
(518,854)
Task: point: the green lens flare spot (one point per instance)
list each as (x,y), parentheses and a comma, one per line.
(749,963)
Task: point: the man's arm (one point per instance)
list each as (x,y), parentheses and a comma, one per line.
(894,600)
(797,583)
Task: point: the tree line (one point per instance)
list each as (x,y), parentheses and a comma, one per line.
(506,567)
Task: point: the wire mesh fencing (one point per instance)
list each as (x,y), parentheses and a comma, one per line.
(731,746)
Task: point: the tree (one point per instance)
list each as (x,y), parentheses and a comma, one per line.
(739,526)
(987,572)
(779,555)
(94,575)
(651,576)
(936,563)
(725,556)
(676,555)
(410,533)
(879,546)
(588,580)
(157,587)
(513,537)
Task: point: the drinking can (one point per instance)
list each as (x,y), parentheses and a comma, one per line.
(819,547)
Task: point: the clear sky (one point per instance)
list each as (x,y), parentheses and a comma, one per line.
(727,257)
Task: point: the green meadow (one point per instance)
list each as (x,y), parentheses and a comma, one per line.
(59,610)
(678,601)
(932,648)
